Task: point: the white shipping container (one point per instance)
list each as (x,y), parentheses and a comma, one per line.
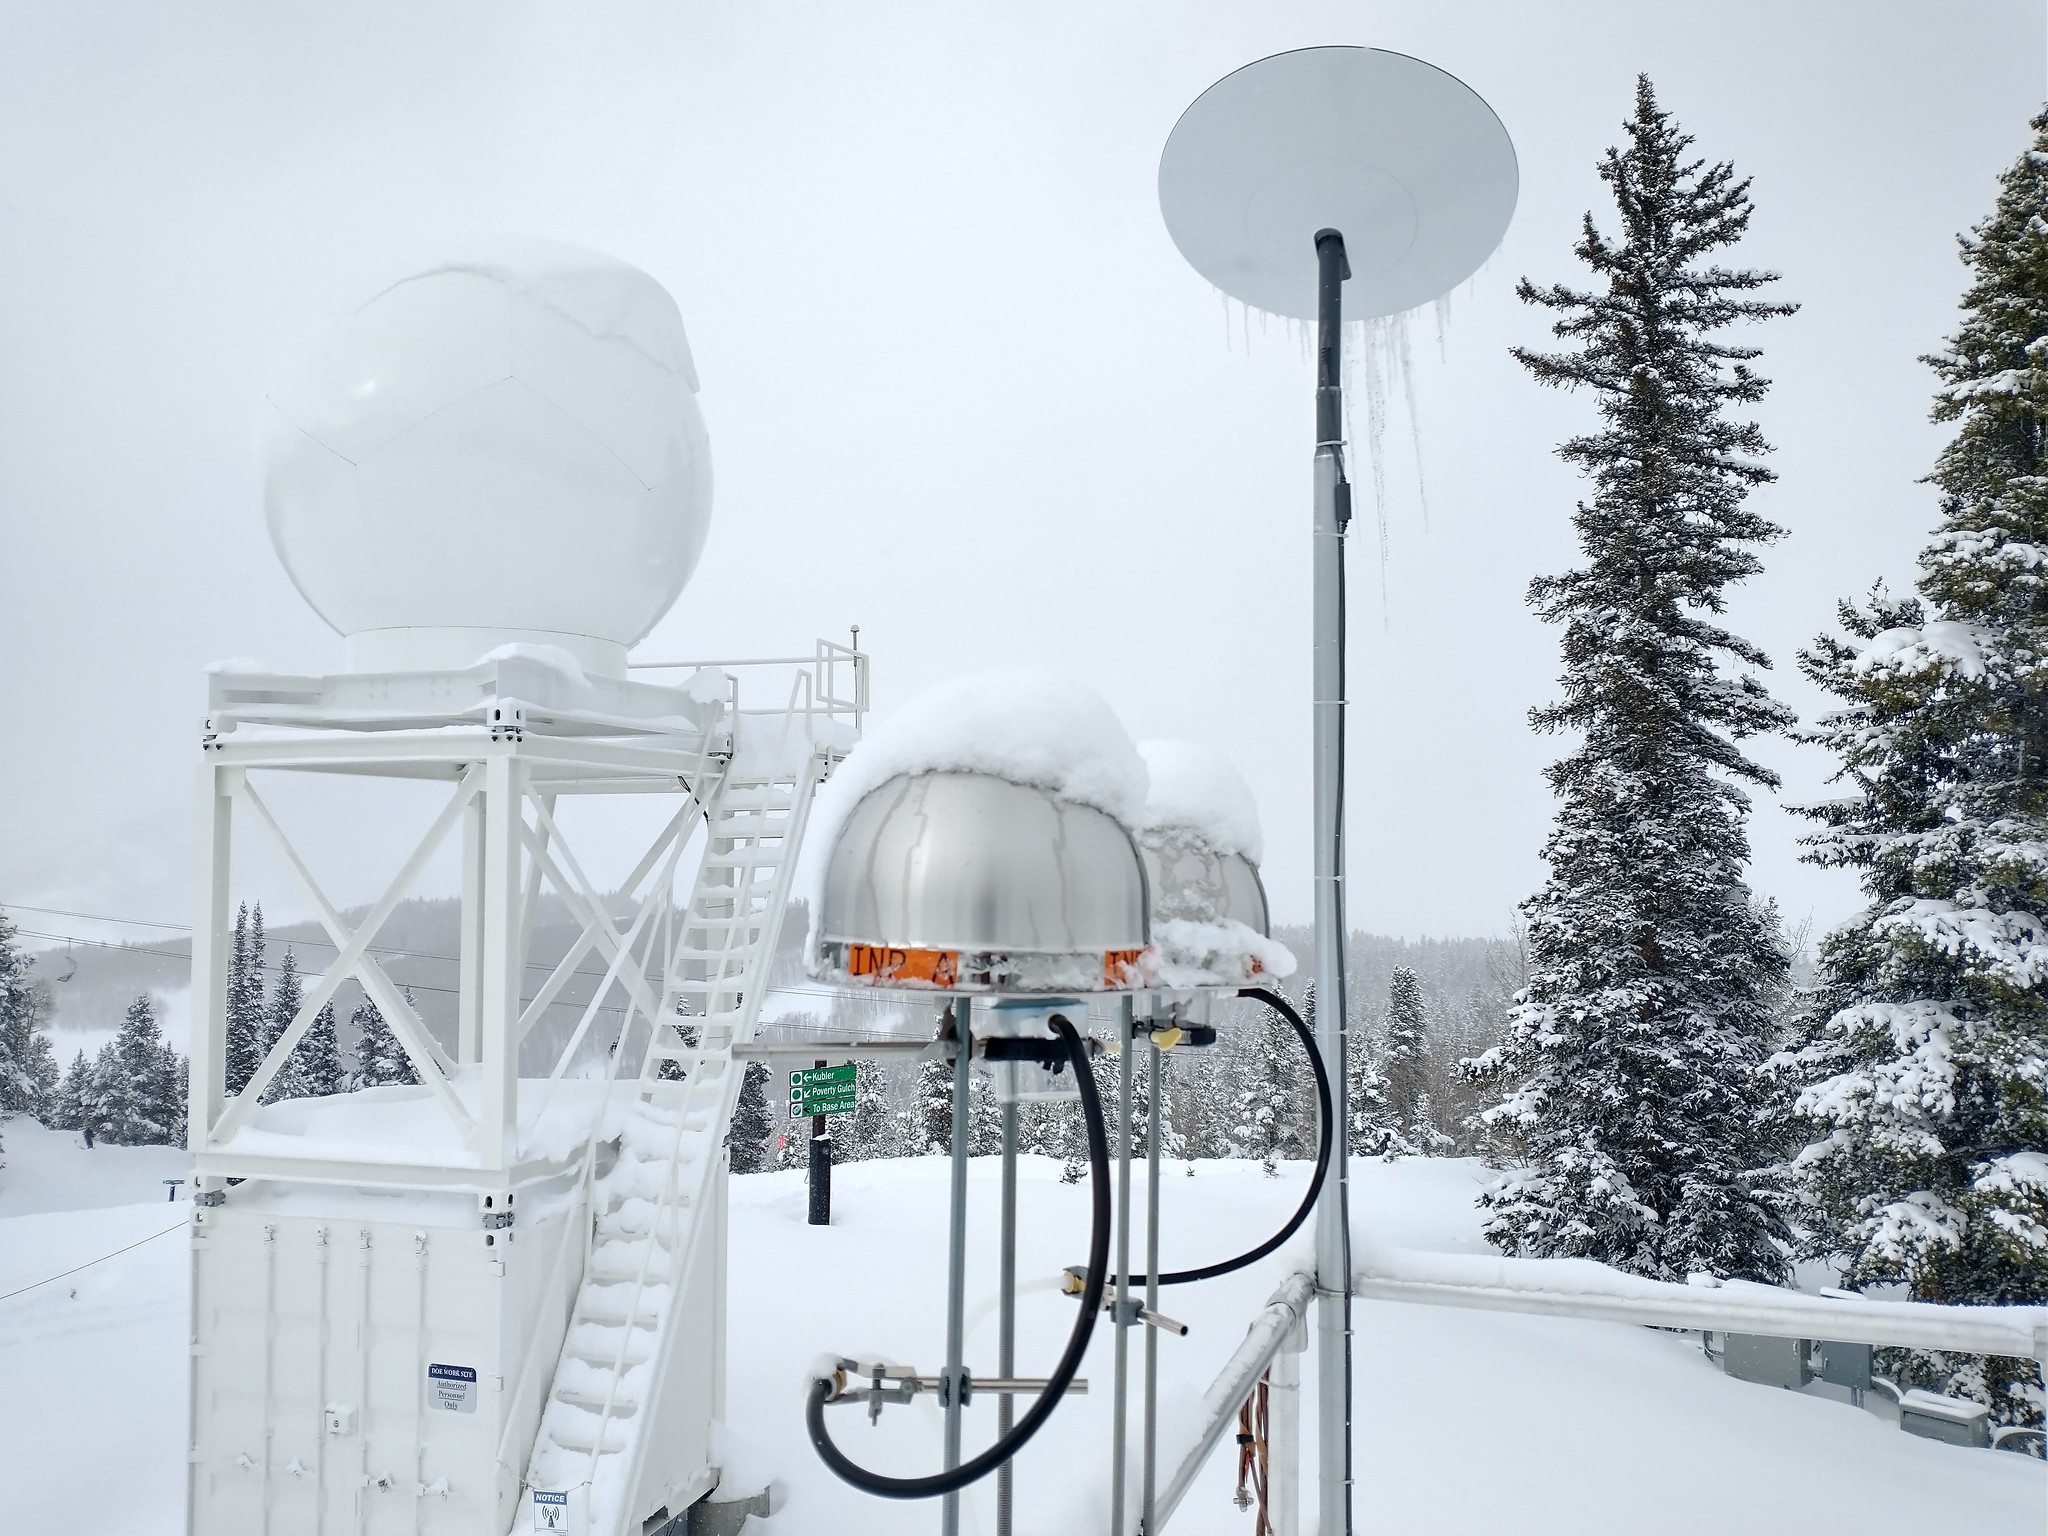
(372,1361)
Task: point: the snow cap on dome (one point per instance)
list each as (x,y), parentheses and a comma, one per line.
(1028,727)
(1198,790)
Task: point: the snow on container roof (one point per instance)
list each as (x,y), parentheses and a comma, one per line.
(1197,789)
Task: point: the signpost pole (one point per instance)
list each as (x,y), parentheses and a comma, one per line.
(821,1170)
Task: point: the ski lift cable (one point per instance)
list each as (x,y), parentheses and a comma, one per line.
(313,943)
(316,943)
(88,1264)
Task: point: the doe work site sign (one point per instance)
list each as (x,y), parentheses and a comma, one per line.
(451,1388)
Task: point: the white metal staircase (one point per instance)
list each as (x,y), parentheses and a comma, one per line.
(636,1381)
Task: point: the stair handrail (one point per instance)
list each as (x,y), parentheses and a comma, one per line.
(801,689)
(730,1082)
(694,789)
(803,782)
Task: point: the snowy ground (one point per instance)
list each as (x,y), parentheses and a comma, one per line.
(1467,1422)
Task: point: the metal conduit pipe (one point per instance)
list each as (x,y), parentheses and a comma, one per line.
(1282,1314)
(976,1467)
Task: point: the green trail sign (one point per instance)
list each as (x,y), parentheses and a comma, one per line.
(840,1102)
(811,1077)
(821,1090)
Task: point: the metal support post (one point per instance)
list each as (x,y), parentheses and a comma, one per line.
(1120,1312)
(1333,1236)
(956,1257)
(469,941)
(1153,1115)
(498,968)
(208,1045)
(1283,1435)
(2041,1367)
(1006,1305)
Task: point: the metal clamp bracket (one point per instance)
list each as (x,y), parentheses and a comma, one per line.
(876,1384)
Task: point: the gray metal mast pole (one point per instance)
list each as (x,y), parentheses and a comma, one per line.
(1006,1303)
(1333,1226)
(1155,1111)
(956,1258)
(1120,1312)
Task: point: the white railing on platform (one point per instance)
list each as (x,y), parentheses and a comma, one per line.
(836,691)
(1581,1288)
(1277,1321)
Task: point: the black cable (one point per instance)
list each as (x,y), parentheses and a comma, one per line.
(1070,1360)
(1325,1141)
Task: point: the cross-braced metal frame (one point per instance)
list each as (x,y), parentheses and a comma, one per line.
(503,790)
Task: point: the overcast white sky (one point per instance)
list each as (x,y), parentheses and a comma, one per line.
(962,390)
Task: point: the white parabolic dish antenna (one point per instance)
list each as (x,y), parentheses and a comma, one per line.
(1405,161)
(504,448)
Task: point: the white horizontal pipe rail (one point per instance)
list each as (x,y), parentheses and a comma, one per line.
(2020,1331)
(1268,1333)
(1735,1308)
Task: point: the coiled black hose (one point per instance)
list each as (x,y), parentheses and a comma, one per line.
(1070,1360)
(1326,1141)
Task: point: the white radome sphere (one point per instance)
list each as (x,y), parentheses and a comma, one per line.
(492,451)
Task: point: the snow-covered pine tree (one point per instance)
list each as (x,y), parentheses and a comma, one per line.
(244,1014)
(1187,1101)
(793,1147)
(1923,1064)
(93,1091)
(928,1117)
(1627,1072)
(1404,1032)
(28,1065)
(1268,1109)
(871,1130)
(129,1073)
(317,1062)
(287,992)
(65,1108)
(984,1117)
(753,1125)
(1374,1127)
(380,1059)
(174,1084)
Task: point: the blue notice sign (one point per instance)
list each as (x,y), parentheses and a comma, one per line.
(451,1388)
(550,1510)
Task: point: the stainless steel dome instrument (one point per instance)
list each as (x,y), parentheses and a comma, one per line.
(971,882)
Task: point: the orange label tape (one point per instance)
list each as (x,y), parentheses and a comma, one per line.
(1119,966)
(937,967)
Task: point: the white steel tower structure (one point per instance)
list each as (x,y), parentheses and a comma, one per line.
(493,1298)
